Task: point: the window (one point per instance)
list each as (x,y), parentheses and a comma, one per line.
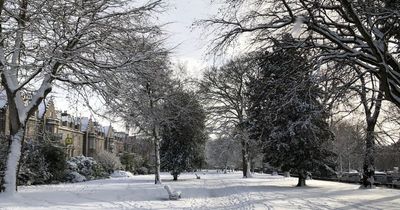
(92,143)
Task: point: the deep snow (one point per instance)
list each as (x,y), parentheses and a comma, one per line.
(212,191)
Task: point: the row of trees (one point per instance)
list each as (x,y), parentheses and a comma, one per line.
(112,48)
(340,51)
(273,100)
(66,43)
(352,61)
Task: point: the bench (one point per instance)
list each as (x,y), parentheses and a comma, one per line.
(173,195)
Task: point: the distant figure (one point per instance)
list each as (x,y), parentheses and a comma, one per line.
(371,180)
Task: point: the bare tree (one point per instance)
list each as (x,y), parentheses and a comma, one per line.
(223,152)
(364,32)
(224,92)
(73,42)
(137,96)
(360,33)
(348,145)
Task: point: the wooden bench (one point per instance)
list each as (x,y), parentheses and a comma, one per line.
(173,195)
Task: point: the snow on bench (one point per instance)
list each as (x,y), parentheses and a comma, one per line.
(173,195)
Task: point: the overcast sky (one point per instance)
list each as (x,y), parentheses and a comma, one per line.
(190,45)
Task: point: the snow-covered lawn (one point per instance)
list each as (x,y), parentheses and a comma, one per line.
(212,191)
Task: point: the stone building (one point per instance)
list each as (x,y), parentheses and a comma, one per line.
(78,135)
(94,140)
(109,138)
(119,142)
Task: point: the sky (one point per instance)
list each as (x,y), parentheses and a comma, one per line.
(190,44)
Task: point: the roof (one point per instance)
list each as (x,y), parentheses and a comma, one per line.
(42,109)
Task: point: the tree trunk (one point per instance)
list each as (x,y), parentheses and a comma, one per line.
(245,158)
(372,111)
(302,178)
(301,182)
(157,161)
(157,179)
(175,176)
(14,155)
(248,172)
(369,158)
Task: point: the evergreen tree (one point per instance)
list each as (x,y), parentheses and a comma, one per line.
(183,134)
(286,114)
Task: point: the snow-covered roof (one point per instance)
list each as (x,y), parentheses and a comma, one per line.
(42,109)
(3,98)
(84,123)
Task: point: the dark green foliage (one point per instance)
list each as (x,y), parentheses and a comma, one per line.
(40,162)
(286,114)
(55,157)
(128,161)
(142,170)
(183,135)
(34,168)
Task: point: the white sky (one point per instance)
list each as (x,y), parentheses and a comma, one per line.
(191,47)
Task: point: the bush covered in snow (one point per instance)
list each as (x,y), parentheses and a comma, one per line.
(41,162)
(121,174)
(34,168)
(109,161)
(75,177)
(85,166)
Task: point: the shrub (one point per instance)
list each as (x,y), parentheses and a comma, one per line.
(54,155)
(109,161)
(40,162)
(85,166)
(34,167)
(121,174)
(75,177)
(127,160)
(142,171)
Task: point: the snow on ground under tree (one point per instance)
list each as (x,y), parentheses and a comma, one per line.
(212,191)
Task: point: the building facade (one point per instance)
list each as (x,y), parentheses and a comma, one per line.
(78,135)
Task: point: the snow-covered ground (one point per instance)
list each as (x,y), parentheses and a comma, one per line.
(212,191)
